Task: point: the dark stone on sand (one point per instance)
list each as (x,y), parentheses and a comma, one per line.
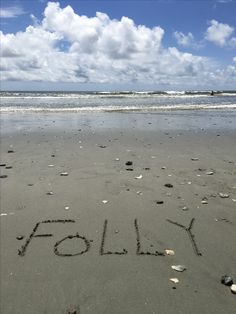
(2,165)
(159,202)
(129,169)
(146,168)
(10,151)
(8,167)
(20,238)
(102,146)
(30,184)
(3,176)
(169,185)
(129,163)
(226,280)
(52,155)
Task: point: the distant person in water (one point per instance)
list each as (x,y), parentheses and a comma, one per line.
(212,93)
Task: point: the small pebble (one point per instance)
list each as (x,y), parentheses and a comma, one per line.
(2,165)
(20,238)
(3,176)
(8,167)
(194,158)
(139,177)
(50,193)
(67,207)
(159,202)
(169,185)
(204,202)
(184,208)
(10,151)
(105,201)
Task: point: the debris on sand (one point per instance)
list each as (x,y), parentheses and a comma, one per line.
(227,280)
(3,176)
(105,201)
(20,238)
(174,280)
(169,185)
(159,202)
(179,268)
(64,174)
(2,165)
(170,252)
(224,195)
(50,193)
(209,173)
(233,288)
(11,151)
(129,163)
(194,158)
(139,177)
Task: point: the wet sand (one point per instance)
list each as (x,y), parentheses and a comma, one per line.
(80,253)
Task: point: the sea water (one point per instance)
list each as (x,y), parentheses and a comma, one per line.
(150,101)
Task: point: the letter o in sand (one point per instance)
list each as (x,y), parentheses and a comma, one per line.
(86,242)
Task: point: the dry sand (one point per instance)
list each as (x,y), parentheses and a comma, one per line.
(107,257)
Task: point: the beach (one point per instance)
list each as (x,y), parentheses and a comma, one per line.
(93,201)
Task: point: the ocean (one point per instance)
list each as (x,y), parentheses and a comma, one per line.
(150,101)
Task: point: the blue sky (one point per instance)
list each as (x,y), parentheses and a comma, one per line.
(162,45)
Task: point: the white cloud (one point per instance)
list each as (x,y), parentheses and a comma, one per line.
(232,42)
(184,40)
(99,50)
(218,33)
(234,59)
(10,12)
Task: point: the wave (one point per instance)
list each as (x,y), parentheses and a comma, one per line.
(119,108)
(94,94)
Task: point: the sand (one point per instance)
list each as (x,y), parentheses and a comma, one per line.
(103,231)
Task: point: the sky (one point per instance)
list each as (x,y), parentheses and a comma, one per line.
(118,45)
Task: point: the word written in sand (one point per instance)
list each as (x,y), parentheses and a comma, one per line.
(103,250)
